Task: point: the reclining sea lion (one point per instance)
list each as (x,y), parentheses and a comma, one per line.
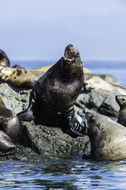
(9,130)
(108,138)
(54,94)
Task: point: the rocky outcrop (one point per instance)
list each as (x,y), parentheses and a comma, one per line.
(38,141)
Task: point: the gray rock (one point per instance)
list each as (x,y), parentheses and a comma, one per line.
(98,101)
(15,99)
(109,106)
(52,142)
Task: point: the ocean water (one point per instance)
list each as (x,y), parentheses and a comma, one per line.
(73,173)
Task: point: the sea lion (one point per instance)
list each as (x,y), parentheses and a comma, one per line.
(121,100)
(9,129)
(4,60)
(18,66)
(25,78)
(96,82)
(20,77)
(54,94)
(107,137)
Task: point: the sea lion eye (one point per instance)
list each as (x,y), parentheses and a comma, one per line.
(123,99)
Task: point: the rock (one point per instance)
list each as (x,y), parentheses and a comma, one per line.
(23,154)
(52,142)
(13,97)
(98,101)
(109,106)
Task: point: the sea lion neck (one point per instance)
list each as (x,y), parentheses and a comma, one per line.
(71,70)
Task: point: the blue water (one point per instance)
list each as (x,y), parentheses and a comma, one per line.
(67,174)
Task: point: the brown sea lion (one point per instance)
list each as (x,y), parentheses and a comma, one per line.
(4,60)
(9,129)
(20,77)
(107,137)
(54,94)
(121,100)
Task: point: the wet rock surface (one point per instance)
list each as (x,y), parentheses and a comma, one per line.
(38,141)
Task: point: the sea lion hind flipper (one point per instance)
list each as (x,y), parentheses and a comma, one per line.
(6,145)
(77,127)
(9,151)
(72,125)
(26,115)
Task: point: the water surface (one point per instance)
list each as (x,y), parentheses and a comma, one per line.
(63,174)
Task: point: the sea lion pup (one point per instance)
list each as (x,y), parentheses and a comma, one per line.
(54,94)
(107,137)
(4,60)
(121,100)
(9,129)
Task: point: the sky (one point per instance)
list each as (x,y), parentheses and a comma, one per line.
(40,30)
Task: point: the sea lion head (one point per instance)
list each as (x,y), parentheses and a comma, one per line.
(92,124)
(71,62)
(121,100)
(70,53)
(4,60)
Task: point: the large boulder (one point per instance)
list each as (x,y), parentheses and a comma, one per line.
(99,95)
(52,142)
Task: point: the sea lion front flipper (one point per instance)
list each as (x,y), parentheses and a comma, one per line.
(26,115)
(76,127)
(6,145)
(71,125)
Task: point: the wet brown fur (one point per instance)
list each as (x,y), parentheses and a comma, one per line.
(56,91)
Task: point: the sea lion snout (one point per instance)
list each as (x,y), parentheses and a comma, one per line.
(70,53)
